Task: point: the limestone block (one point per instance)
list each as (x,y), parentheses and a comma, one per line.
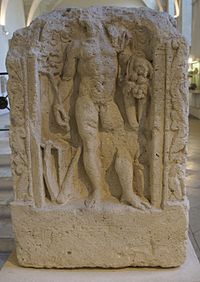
(188,272)
(98,135)
(113,235)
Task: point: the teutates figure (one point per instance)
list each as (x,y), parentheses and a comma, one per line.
(94,60)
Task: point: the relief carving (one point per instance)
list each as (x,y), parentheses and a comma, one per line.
(135,89)
(98,138)
(177,120)
(18,134)
(88,77)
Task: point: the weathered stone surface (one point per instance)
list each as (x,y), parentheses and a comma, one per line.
(188,272)
(98,137)
(108,236)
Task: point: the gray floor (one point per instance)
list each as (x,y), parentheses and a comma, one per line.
(193,183)
(193,188)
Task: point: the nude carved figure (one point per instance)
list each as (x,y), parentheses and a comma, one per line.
(96,65)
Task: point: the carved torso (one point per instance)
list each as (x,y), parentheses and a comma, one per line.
(97,68)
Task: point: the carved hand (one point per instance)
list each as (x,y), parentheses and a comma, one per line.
(61,117)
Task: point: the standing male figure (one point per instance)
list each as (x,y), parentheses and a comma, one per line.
(94,61)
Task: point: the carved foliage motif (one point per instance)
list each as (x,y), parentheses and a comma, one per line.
(178,115)
(18,133)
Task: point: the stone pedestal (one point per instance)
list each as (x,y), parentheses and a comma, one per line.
(188,272)
(99,127)
(113,235)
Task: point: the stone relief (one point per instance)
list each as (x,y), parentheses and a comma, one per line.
(84,90)
(18,139)
(176,140)
(98,126)
(100,84)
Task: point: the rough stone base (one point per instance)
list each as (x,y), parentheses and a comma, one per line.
(188,272)
(112,235)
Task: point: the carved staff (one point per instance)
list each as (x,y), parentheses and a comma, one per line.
(33,89)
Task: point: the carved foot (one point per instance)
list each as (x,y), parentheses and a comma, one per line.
(62,198)
(96,198)
(135,201)
(145,202)
(134,126)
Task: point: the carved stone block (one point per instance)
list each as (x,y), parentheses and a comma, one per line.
(98,135)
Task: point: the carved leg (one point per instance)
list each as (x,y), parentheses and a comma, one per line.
(87,120)
(124,169)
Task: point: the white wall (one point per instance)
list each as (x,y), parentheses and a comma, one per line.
(14,20)
(3,50)
(81,3)
(186,19)
(195,48)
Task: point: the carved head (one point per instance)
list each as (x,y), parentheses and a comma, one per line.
(138,68)
(142,67)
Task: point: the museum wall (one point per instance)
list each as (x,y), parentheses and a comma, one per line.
(79,3)
(14,19)
(195,50)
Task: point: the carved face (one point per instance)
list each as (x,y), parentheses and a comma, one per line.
(141,67)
